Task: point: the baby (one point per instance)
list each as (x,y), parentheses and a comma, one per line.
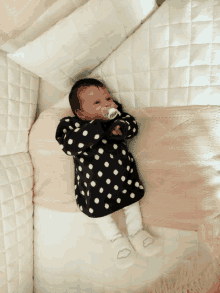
(106,177)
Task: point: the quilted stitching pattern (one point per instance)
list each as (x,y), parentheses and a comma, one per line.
(79,43)
(18,99)
(171,60)
(16,223)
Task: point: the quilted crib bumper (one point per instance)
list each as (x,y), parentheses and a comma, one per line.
(18,102)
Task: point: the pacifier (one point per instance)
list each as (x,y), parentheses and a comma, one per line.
(110,113)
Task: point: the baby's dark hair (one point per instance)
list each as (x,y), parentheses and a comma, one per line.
(77,87)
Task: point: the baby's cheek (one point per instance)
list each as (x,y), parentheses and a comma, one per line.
(98,108)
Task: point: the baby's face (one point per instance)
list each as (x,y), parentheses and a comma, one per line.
(92,99)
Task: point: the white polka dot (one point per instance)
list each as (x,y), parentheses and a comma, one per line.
(70,141)
(85,153)
(80,168)
(85,184)
(77,124)
(76,196)
(118,200)
(141,187)
(111,156)
(108,181)
(124,152)
(64,136)
(80,145)
(128,168)
(109,195)
(132,159)
(96,157)
(96,136)
(115,146)
(120,162)
(83,193)
(64,130)
(101,190)
(132,195)
(128,116)
(67,120)
(79,152)
(81,208)
(106,206)
(93,183)
(70,127)
(90,166)
(136,184)
(116,187)
(129,182)
(85,132)
(101,151)
(115,172)
(75,186)
(100,174)
(91,210)
(129,127)
(96,200)
(69,153)
(61,146)
(123,178)
(104,141)
(124,191)
(81,160)
(131,171)
(106,164)
(86,201)
(87,175)
(78,177)
(77,129)
(88,192)
(134,129)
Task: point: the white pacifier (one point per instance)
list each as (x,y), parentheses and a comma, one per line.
(110,113)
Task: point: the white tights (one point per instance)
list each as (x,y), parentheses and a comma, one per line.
(133,222)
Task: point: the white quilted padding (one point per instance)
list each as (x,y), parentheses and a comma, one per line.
(18,100)
(80,42)
(172,59)
(16,224)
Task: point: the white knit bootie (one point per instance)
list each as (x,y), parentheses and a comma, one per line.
(142,242)
(124,252)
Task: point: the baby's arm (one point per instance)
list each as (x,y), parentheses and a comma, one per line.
(128,127)
(75,138)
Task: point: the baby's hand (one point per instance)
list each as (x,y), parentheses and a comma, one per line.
(116,130)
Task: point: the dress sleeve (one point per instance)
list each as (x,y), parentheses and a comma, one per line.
(74,138)
(128,127)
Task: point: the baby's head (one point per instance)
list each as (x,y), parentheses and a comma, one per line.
(87,97)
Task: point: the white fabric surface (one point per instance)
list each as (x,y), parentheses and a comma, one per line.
(72,255)
(80,42)
(18,101)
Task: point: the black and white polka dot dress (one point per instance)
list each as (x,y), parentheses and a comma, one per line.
(106,177)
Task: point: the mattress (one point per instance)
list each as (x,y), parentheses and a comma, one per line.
(71,255)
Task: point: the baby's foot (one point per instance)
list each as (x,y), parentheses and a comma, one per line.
(124,252)
(142,242)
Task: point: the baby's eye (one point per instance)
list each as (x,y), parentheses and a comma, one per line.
(96,102)
(109,99)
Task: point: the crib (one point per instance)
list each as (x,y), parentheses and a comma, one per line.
(162,64)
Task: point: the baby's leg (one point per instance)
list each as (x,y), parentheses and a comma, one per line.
(140,238)
(120,244)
